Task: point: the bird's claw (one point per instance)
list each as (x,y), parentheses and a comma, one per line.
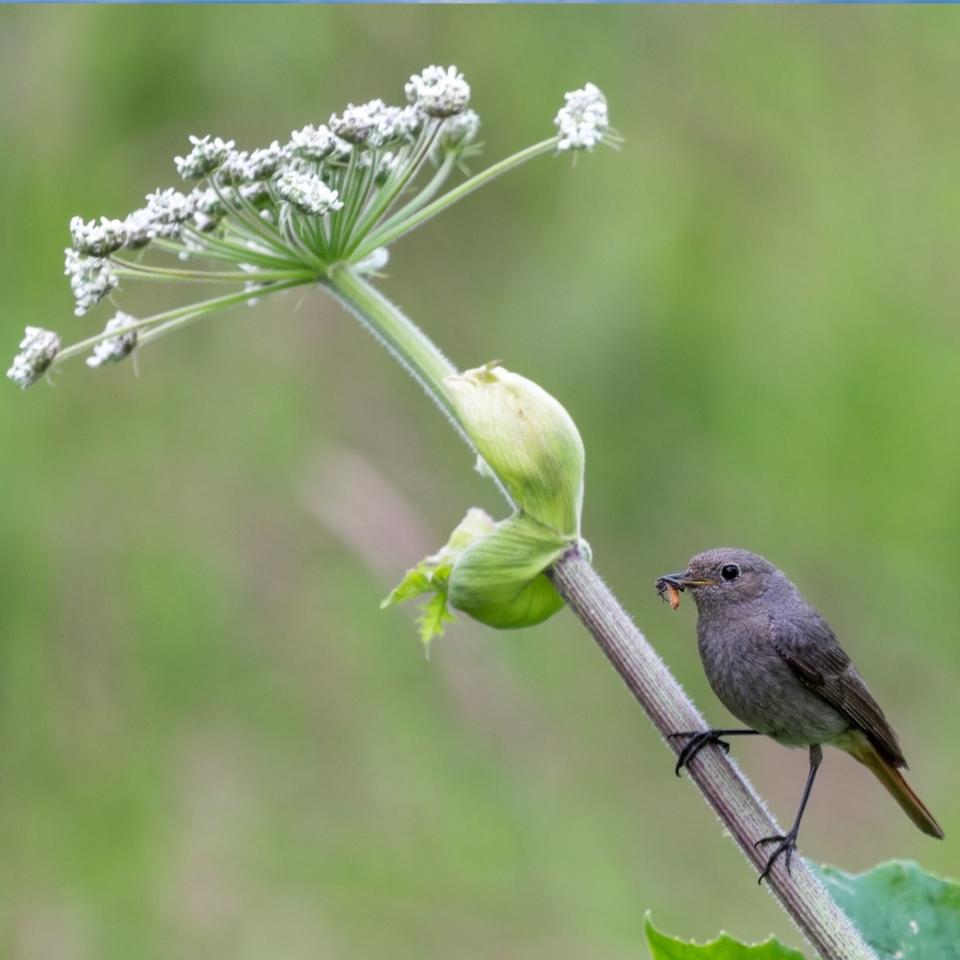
(786,843)
(698,739)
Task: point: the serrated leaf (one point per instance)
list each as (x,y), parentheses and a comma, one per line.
(415,582)
(432,573)
(664,947)
(903,912)
(433,619)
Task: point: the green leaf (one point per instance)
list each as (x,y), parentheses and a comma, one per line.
(432,575)
(663,947)
(415,582)
(434,617)
(903,912)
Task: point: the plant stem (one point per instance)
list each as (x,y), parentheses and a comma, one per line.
(819,919)
(723,786)
(415,351)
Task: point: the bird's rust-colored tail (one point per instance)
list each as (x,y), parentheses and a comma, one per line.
(860,748)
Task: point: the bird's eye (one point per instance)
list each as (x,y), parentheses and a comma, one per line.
(730,571)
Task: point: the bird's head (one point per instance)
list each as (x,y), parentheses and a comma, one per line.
(724,577)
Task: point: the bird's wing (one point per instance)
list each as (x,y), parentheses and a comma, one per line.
(813,654)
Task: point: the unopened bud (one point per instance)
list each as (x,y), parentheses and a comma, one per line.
(500,580)
(527,439)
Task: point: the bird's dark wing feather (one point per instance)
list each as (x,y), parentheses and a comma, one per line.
(812,652)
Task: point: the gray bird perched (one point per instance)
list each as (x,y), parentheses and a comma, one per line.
(775,664)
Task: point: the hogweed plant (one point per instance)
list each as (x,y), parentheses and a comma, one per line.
(322,210)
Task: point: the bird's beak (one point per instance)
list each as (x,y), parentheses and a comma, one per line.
(683,580)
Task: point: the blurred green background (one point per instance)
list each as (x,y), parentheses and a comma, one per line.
(210,736)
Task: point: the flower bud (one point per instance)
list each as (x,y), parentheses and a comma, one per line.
(500,580)
(495,572)
(527,439)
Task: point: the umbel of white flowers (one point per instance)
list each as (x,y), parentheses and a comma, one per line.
(284,215)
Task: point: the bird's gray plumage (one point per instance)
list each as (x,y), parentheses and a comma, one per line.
(773,660)
(776,665)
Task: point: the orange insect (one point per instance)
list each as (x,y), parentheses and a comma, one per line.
(669,592)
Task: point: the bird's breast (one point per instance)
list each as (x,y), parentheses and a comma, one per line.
(758,687)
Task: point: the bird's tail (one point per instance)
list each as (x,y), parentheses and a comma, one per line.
(863,750)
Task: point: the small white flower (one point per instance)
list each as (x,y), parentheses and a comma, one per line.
(244,167)
(438,92)
(312,143)
(37,350)
(308,193)
(407,121)
(263,162)
(114,349)
(169,209)
(140,228)
(209,202)
(254,192)
(208,209)
(371,124)
(98,239)
(207,154)
(456,133)
(91,279)
(582,122)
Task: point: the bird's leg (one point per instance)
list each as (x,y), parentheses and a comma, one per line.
(787,843)
(698,739)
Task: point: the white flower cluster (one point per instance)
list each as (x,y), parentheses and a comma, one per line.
(91,279)
(438,92)
(456,132)
(169,210)
(313,143)
(305,173)
(207,154)
(37,350)
(582,122)
(114,349)
(308,193)
(98,239)
(376,125)
(366,157)
(242,167)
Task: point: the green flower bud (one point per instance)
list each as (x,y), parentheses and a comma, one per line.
(492,571)
(527,439)
(500,580)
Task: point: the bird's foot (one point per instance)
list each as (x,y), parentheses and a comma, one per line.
(696,741)
(786,844)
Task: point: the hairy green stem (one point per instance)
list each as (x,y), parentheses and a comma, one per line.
(408,344)
(720,782)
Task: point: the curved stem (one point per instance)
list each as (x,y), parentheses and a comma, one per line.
(415,351)
(722,784)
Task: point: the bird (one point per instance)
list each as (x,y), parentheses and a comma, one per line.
(776,665)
